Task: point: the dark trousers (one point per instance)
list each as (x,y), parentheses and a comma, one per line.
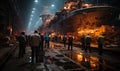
(70,46)
(35,54)
(87,47)
(21,50)
(100,49)
(64,42)
(41,46)
(83,46)
(47,43)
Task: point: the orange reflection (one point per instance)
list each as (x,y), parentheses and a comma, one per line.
(11,30)
(94,62)
(79,58)
(52,46)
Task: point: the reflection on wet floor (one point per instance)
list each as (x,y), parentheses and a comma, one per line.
(66,64)
(89,62)
(92,63)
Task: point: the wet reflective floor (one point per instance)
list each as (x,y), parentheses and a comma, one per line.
(91,61)
(58,58)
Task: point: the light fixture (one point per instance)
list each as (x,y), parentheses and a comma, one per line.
(36,1)
(34,9)
(31,15)
(52,5)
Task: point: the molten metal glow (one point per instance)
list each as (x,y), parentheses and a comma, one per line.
(96,31)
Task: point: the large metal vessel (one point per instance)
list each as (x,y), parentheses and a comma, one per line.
(78,18)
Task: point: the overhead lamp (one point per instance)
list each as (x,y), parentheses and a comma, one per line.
(34,9)
(52,5)
(36,1)
(31,15)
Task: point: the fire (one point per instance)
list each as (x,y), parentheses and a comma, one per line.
(96,31)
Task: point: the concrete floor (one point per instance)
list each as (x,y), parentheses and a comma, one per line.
(60,59)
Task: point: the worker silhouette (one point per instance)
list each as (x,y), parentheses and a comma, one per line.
(88,43)
(100,41)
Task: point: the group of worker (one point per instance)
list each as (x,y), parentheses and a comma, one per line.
(85,43)
(36,41)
